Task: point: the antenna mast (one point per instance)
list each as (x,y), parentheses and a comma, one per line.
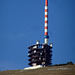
(46,22)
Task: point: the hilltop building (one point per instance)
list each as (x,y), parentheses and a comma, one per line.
(41,54)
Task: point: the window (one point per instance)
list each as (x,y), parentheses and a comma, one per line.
(43,62)
(43,58)
(34,64)
(39,58)
(42,46)
(35,47)
(32,59)
(40,53)
(35,51)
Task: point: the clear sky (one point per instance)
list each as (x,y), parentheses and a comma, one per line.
(22,23)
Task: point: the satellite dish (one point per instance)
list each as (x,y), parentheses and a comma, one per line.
(51,44)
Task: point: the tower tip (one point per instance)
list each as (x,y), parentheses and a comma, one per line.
(46,2)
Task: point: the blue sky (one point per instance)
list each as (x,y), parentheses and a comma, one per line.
(22,23)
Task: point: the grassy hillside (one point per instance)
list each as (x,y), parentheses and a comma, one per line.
(53,70)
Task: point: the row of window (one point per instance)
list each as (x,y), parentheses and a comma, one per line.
(34,64)
(39,59)
(38,47)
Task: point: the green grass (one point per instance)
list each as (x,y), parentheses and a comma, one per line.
(52,70)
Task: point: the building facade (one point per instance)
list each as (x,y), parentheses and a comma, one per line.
(40,54)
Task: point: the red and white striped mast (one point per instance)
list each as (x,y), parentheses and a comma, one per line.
(46,22)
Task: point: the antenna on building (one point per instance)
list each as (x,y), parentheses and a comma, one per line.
(46,22)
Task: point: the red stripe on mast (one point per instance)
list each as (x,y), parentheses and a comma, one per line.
(46,3)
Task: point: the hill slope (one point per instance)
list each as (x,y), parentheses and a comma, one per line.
(53,70)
